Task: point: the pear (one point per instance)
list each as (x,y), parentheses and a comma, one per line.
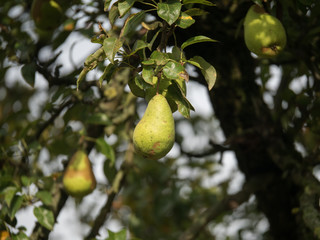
(264,34)
(78,179)
(46,14)
(154,135)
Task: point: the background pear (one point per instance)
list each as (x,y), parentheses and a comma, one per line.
(154,135)
(264,34)
(46,14)
(78,179)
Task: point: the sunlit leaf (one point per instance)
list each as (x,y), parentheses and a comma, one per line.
(207,70)
(9,193)
(45,197)
(169,11)
(121,235)
(124,6)
(196,39)
(111,46)
(105,149)
(131,24)
(172,70)
(44,216)
(185,20)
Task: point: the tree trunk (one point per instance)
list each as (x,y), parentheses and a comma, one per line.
(250,129)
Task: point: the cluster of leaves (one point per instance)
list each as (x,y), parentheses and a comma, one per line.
(154,65)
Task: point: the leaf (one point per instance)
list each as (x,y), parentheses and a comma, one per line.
(113,13)
(44,216)
(176,94)
(138,45)
(45,197)
(196,39)
(121,235)
(106,5)
(147,74)
(28,72)
(124,6)
(203,2)
(135,89)
(131,24)
(185,21)
(9,193)
(20,236)
(207,70)
(173,69)
(169,11)
(98,119)
(103,147)
(159,58)
(196,12)
(107,73)
(111,46)
(153,40)
(15,205)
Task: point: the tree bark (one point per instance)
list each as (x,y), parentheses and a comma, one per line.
(252,132)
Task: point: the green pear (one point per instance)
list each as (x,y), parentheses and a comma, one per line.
(154,135)
(46,14)
(78,179)
(264,34)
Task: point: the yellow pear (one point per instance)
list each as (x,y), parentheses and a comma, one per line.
(46,14)
(78,179)
(154,135)
(264,34)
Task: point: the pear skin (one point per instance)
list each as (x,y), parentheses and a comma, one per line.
(264,34)
(78,179)
(154,135)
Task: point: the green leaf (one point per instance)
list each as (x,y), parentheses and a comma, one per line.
(28,72)
(113,13)
(122,235)
(45,197)
(44,216)
(135,89)
(185,20)
(196,39)
(15,205)
(103,147)
(124,6)
(176,94)
(138,45)
(9,193)
(99,119)
(207,70)
(173,69)
(20,236)
(176,54)
(27,181)
(203,2)
(159,58)
(107,73)
(106,5)
(169,11)
(131,24)
(153,40)
(111,46)
(147,74)
(196,12)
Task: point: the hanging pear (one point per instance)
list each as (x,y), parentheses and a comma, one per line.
(154,135)
(78,179)
(47,14)
(264,34)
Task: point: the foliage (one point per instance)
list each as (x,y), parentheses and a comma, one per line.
(95,106)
